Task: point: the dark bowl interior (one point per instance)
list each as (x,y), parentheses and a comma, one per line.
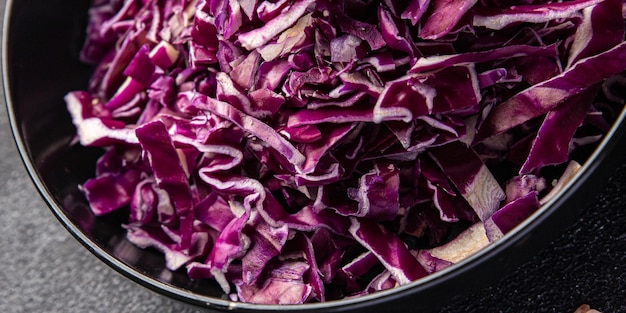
(40,65)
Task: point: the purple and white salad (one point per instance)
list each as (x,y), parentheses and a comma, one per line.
(304,151)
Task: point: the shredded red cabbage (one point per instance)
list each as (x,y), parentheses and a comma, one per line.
(303,151)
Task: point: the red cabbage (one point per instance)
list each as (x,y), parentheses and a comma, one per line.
(511,215)
(443,16)
(499,18)
(471,177)
(274,27)
(305,151)
(549,94)
(389,249)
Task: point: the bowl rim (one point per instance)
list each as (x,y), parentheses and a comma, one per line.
(588,172)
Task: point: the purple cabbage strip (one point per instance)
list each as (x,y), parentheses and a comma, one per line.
(253,125)
(268,243)
(230,244)
(283,286)
(430,263)
(214,211)
(361,264)
(550,147)
(511,215)
(415,10)
(496,18)
(471,177)
(365,31)
(143,205)
(383,281)
(545,96)
(410,97)
(291,39)
(169,173)
(377,193)
(441,61)
(94,130)
(396,34)
(328,255)
(156,238)
(521,185)
(312,276)
(345,48)
(389,249)
(443,16)
(141,67)
(602,27)
(110,191)
(260,36)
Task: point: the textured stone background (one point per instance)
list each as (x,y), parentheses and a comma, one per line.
(43,269)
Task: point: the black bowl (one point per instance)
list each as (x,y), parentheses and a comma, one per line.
(40,65)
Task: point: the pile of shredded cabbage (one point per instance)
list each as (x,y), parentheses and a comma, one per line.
(303,151)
